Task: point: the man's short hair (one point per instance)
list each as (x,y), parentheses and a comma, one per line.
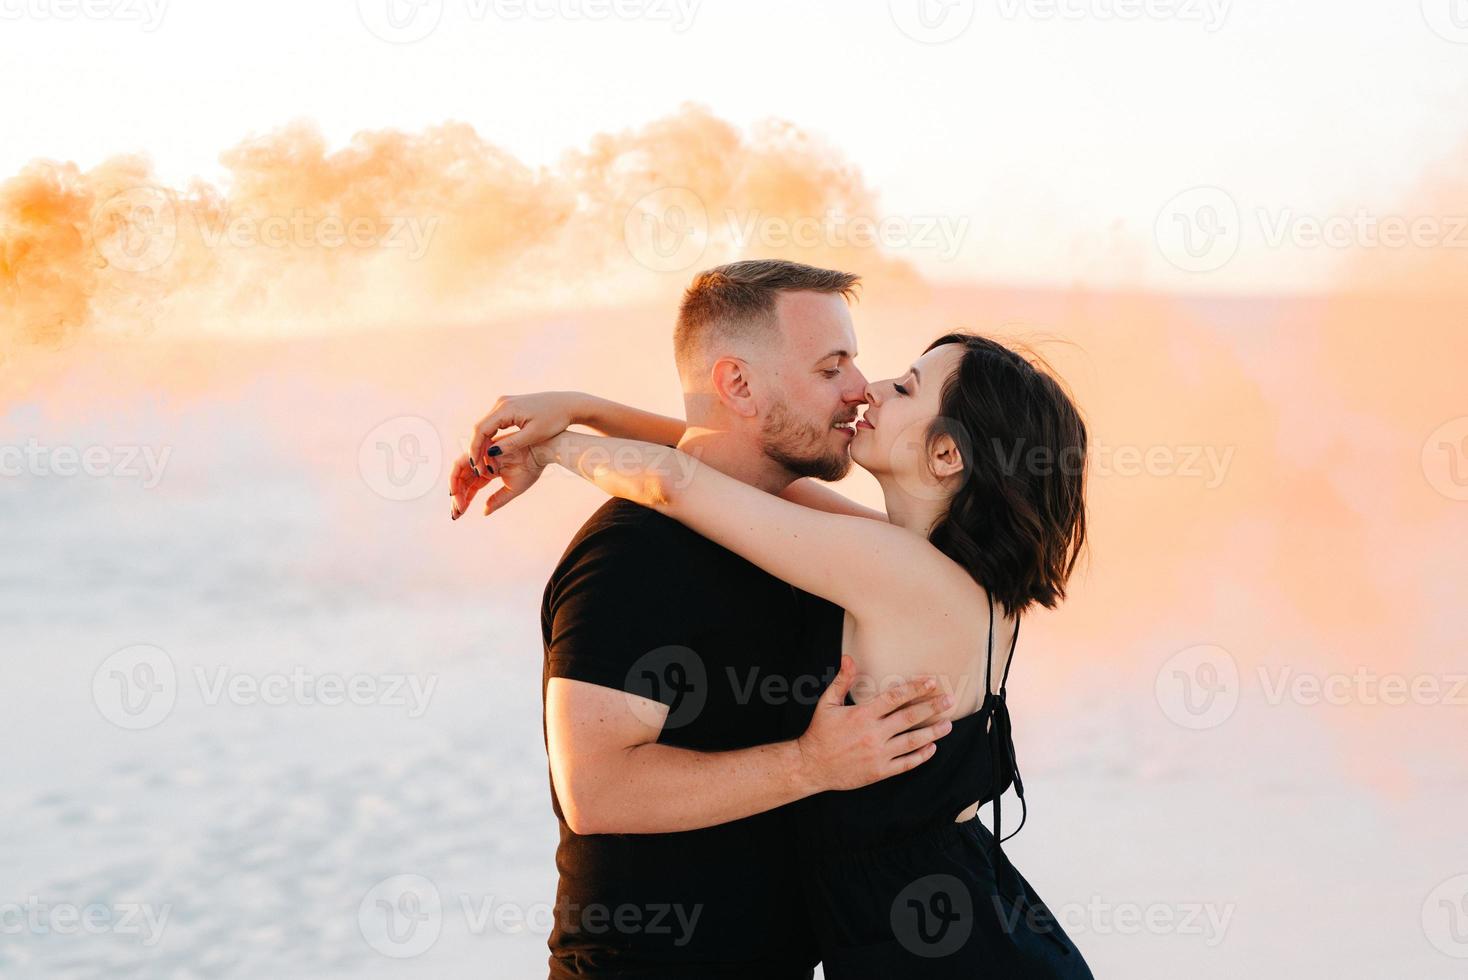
(737,301)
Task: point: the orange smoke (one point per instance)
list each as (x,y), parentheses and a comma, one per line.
(425,228)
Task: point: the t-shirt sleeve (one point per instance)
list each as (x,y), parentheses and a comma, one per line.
(616,611)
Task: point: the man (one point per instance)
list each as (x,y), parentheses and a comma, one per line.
(683,711)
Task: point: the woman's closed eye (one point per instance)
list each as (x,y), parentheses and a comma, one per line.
(899,388)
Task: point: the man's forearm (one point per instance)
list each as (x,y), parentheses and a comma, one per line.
(661,789)
(615,419)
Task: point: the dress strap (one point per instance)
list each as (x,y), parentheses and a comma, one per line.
(1002,756)
(989,659)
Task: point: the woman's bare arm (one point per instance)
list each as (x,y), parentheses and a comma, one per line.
(859,564)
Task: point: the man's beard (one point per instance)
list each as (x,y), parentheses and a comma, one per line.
(802,448)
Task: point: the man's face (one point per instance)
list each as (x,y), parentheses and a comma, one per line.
(814,386)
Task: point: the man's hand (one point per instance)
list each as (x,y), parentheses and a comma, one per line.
(517,469)
(850,746)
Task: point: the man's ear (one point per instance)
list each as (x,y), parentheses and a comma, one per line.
(731,382)
(945,459)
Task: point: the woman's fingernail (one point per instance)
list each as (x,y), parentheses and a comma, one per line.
(494,451)
(455,512)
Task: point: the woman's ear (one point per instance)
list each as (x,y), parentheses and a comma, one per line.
(945,459)
(730,378)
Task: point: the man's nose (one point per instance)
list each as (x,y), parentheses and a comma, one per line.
(858,392)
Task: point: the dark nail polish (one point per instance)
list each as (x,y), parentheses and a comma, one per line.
(494,451)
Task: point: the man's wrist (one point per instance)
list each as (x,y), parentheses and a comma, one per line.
(796,764)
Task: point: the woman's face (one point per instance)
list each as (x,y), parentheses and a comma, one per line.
(891,436)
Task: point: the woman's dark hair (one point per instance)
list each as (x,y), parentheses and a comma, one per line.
(1017,522)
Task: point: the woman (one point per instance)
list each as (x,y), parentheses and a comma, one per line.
(980,456)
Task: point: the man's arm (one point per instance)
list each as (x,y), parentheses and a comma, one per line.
(807,492)
(612,777)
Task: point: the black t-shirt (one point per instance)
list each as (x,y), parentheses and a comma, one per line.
(642,604)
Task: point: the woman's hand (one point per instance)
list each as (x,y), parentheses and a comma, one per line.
(517,469)
(537,416)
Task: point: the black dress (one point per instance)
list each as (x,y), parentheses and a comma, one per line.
(897,889)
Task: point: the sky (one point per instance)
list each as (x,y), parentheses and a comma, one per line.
(1059,132)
